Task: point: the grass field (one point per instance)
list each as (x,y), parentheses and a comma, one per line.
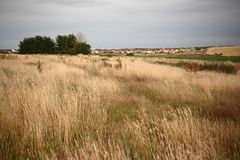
(92,107)
(226,51)
(201,57)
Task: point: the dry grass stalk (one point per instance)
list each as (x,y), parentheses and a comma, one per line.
(106,64)
(39,66)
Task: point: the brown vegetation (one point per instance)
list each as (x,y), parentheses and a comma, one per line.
(39,66)
(193,67)
(119,64)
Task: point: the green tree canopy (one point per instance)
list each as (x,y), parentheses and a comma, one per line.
(72,45)
(65,44)
(82,48)
(37,44)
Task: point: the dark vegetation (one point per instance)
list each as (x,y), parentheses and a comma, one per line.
(65,44)
(194,67)
(130,54)
(224,68)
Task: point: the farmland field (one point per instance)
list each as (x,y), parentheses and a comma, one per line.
(92,107)
(226,51)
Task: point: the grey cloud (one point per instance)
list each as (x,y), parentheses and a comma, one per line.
(76,3)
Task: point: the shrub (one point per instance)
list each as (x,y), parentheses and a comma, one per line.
(129,54)
(194,67)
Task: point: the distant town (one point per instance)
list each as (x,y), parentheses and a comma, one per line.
(128,50)
(8,51)
(143,50)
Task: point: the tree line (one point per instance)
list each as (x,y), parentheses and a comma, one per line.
(63,44)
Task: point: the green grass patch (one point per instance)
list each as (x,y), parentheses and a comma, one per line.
(179,64)
(123,111)
(202,57)
(112,55)
(2,56)
(142,90)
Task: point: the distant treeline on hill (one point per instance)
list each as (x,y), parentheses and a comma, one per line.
(64,44)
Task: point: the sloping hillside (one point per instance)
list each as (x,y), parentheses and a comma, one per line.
(226,51)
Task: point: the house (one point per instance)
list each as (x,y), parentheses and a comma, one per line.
(8,51)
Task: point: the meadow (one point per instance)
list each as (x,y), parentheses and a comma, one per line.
(224,50)
(93,107)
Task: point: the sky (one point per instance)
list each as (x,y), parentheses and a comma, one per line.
(123,23)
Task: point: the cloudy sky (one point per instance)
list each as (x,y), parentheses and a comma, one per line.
(124,23)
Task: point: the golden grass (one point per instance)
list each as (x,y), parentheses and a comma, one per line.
(77,108)
(226,51)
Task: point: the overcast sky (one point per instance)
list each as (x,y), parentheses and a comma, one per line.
(124,23)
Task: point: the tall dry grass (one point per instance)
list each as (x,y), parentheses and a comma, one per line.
(77,108)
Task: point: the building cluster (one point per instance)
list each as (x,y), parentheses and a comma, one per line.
(8,51)
(142,50)
(128,50)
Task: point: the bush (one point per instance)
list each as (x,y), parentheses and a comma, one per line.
(194,67)
(129,54)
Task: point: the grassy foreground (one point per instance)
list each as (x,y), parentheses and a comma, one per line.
(87,107)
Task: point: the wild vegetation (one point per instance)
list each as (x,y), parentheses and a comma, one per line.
(199,66)
(91,107)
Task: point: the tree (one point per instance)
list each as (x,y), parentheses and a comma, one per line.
(82,48)
(66,43)
(81,38)
(37,44)
(72,44)
(27,45)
